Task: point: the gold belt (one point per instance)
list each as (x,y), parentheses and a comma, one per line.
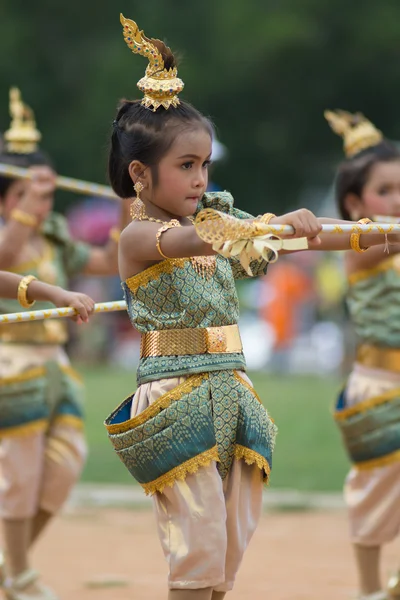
(377,357)
(178,342)
(44,332)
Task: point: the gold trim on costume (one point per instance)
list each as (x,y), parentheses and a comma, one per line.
(154,272)
(161,403)
(366,405)
(25,376)
(40,263)
(383,266)
(252,457)
(377,357)
(34,332)
(190,341)
(25,429)
(248,385)
(68,370)
(383,461)
(71,420)
(181,472)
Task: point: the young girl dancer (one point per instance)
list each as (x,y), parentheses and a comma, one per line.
(368,412)
(195,434)
(43,447)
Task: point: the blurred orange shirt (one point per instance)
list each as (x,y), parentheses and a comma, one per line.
(291,286)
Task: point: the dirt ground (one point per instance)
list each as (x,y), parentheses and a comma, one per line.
(293,555)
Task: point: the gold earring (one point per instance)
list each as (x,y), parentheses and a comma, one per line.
(138,187)
(137,209)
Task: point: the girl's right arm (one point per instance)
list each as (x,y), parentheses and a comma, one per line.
(9,284)
(138,243)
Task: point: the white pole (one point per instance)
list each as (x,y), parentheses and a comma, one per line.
(58,313)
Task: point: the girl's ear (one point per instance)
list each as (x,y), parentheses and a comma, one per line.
(139,172)
(354,206)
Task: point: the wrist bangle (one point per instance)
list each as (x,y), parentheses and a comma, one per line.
(23,217)
(265,218)
(355,237)
(114,234)
(22,291)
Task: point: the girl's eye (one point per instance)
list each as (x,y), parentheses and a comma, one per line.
(383,190)
(187,165)
(207,163)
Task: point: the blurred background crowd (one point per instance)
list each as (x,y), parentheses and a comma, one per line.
(264,71)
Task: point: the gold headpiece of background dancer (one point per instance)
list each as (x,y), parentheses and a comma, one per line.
(160,86)
(22,137)
(357,132)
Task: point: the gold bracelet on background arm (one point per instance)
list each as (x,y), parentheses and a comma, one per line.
(23,217)
(23,289)
(114,234)
(355,237)
(265,218)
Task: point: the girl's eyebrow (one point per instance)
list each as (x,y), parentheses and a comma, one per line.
(192,156)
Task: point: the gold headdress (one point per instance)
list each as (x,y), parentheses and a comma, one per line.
(22,137)
(357,132)
(160,86)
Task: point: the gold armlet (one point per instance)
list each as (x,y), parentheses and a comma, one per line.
(265,218)
(22,291)
(23,217)
(163,229)
(115,234)
(355,237)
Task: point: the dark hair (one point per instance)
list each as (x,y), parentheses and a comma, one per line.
(25,161)
(353,173)
(144,135)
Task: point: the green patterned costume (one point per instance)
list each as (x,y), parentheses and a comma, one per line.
(37,385)
(371,428)
(214,414)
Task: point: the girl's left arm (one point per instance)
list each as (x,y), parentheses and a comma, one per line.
(104,261)
(341,241)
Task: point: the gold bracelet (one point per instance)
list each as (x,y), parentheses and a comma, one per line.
(163,229)
(23,217)
(22,291)
(114,234)
(355,237)
(266,218)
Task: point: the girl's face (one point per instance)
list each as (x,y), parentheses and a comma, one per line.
(182,174)
(381,193)
(15,193)
(12,197)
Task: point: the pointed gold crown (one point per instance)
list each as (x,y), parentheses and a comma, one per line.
(357,132)
(160,86)
(22,137)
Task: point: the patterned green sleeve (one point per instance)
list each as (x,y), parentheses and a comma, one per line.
(76,257)
(223,201)
(75,254)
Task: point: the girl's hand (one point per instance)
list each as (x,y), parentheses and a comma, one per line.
(83,304)
(38,197)
(305,224)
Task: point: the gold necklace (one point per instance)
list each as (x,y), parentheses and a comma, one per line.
(203,265)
